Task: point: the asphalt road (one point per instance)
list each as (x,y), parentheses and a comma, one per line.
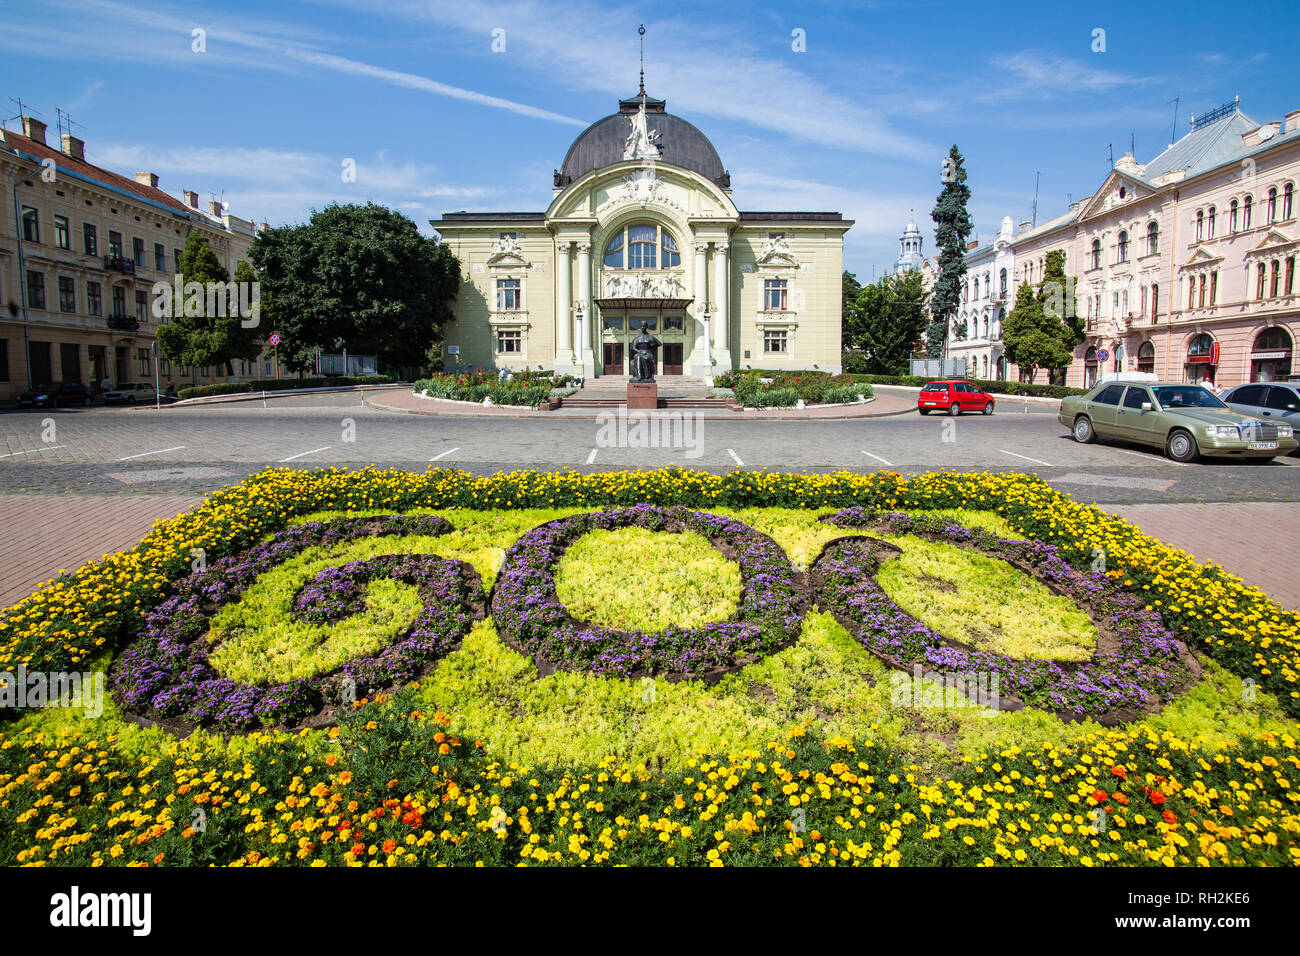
(198,448)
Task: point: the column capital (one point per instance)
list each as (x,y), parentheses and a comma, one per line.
(701,248)
(564,245)
(720,247)
(584,248)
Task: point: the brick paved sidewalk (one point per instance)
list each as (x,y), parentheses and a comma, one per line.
(44,534)
(1258,542)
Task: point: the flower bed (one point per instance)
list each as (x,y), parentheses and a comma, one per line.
(167,671)
(785,389)
(522,388)
(1137,667)
(528,613)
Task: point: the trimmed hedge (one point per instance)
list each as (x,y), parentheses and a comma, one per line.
(462,388)
(787,388)
(276,384)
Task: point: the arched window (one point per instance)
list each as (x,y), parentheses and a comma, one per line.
(1273,346)
(1199,353)
(1201,303)
(1123,246)
(1275,280)
(1142,302)
(1209,226)
(1201,346)
(1096,253)
(646,245)
(1200,225)
(1287,192)
(1090,368)
(1290,275)
(1245,212)
(1260,274)
(1002,284)
(1146,357)
(1232,216)
(1272,205)
(987,287)
(1214,286)
(1191,292)
(1155,303)
(1153,238)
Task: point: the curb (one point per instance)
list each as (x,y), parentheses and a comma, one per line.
(278,393)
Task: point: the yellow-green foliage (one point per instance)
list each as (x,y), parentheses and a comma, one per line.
(985,602)
(633,578)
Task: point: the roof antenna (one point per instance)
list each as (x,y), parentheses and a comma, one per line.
(22,110)
(1034,217)
(641,33)
(65,119)
(1173,130)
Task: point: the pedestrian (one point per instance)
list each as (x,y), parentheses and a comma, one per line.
(105,385)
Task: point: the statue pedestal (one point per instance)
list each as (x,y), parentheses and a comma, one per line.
(642,396)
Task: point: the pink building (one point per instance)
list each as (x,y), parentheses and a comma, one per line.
(1186,265)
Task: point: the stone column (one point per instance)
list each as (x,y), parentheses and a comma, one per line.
(703,348)
(587,358)
(722,313)
(563,306)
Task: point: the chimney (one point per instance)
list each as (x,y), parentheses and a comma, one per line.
(215,208)
(973,244)
(147,179)
(1074,207)
(1293,121)
(191,199)
(34,129)
(74,148)
(1026,225)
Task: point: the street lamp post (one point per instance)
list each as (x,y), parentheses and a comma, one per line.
(581,326)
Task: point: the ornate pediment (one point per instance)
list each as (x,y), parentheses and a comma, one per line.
(1273,241)
(776,253)
(506,254)
(642,187)
(1201,256)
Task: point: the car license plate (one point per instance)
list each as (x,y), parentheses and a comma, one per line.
(1262,445)
(929,403)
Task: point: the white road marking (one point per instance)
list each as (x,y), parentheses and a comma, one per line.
(592,457)
(735,457)
(879,459)
(146,454)
(1149,457)
(303,454)
(443,454)
(30,450)
(1036,461)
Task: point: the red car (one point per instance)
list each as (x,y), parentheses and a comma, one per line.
(953,397)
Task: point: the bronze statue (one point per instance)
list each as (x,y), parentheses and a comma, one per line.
(644,353)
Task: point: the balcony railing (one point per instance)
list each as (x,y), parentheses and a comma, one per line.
(119,264)
(123,323)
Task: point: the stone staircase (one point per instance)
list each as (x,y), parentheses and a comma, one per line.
(675,392)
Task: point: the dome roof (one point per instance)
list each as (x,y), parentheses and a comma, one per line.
(680,144)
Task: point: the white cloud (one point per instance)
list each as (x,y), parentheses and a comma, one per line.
(1031,72)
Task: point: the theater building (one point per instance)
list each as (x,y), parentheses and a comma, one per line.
(641,228)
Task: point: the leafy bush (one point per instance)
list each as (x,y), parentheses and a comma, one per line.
(525,388)
(277,384)
(992,387)
(754,390)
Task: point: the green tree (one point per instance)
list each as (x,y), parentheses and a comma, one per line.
(360,278)
(206,325)
(1059,301)
(851,288)
(886,321)
(952,229)
(1032,338)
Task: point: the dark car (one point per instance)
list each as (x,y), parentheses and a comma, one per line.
(1271,401)
(953,397)
(54,395)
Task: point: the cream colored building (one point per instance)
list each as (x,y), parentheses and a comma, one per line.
(641,227)
(80,250)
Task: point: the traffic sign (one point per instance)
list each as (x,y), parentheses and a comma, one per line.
(1102,355)
(274,338)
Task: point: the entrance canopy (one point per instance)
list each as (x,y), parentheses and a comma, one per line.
(650,305)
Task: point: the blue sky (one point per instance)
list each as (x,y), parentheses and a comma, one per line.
(435,120)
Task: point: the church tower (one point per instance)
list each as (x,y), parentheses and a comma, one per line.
(910,256)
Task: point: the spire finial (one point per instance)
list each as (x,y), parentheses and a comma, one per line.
(641,32)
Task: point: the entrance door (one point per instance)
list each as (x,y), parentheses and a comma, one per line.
(42,371)
(613,360)
(70,361)
(120,363)
(672,358)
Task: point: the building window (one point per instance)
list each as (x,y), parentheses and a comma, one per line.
(1142,302)
(1200,225)
(67,294)
(1232,216)
(119,300)
(31,225)
(1214,286)
(1245,212)
(1153,239)
(775,341)
(115,244)
(1123,246)
(142,357)
(1275,281)
(509,295)
(1290,274)
(510,341)
(90,239)
(176,260)
(1209,226)
(647,246)
(774,295)
(164,367)
(142,307)
(1287,192)
(62,234)
(1096,254)
(1002,284)
(1155,303)
(1201,302)
(36,289)
(1272,205)
(1191,292)
(4,360)
(1146,357)
(1260,274)
(94,298)
(159,257)
(137,251)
